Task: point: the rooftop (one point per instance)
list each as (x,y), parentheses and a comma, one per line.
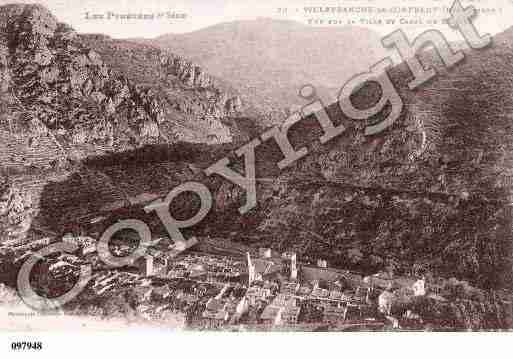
(271,312)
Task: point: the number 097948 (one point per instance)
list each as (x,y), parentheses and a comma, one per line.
(18,346)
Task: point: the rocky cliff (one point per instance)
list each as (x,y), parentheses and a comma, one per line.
(82,94)
(16,214)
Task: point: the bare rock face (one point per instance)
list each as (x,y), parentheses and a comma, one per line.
(54,77)
(5,75)
(187,97)
(36,20)
(188,72)
(15,211)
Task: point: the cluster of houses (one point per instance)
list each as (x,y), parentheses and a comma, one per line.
(206,268)
(278,290)
(264,288)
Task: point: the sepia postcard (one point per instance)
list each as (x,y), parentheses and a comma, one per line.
(288,166)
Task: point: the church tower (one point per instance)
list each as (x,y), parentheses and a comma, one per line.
(251,270)
(293,267)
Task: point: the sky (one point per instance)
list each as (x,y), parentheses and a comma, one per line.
(85,15)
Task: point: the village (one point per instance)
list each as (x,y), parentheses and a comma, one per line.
(261,290)
(221,285)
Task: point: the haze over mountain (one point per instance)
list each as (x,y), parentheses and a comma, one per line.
(269,60)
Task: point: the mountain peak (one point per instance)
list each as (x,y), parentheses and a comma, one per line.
(31,18)
(268,60)
(85,92)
